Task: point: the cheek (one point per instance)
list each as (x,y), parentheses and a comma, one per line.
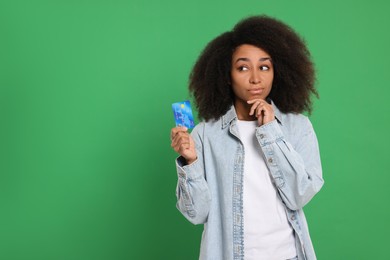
(237,91)
(234,89)
(237,79)
(272,76)
(270,80)
(234,85)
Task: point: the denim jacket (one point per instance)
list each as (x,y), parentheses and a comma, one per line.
(210,190)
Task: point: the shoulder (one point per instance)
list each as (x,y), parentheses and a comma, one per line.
(207,128)
(291,119)
(199,128)
(295,119)
(296,125)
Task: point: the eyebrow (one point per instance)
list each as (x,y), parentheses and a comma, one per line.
(246,59)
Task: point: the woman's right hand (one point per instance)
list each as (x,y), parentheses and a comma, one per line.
(183,143)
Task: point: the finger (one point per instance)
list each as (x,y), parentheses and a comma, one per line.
(182,139)
(182,146)
(178,129)
(254,100)
(263,110)
(179,137)
(260,120)
(267,114)
(259,109)
(254,107)
(267,108)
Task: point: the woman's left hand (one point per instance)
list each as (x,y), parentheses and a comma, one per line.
(262,110)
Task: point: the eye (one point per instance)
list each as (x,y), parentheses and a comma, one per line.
(264,68)
(242,68)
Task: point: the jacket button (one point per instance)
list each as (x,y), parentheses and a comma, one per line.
(270,160)
(262,136)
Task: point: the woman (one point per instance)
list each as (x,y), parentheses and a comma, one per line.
(247,170)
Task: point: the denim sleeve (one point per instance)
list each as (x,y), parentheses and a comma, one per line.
(296,171)
(192,192)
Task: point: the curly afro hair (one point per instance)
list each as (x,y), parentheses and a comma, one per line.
(294,76)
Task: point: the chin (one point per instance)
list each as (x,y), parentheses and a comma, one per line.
(257,97)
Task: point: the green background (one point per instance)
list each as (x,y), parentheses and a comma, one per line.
(86,168)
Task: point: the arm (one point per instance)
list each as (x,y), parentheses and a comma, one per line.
(193,196)
(296,170)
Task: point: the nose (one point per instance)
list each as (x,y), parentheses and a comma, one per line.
(254,78)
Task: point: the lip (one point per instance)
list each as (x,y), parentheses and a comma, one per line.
(255,91)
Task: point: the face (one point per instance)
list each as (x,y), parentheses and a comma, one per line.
(252,74)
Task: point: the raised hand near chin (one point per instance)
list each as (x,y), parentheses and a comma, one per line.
(262,110)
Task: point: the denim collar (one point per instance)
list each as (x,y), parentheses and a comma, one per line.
(232,115)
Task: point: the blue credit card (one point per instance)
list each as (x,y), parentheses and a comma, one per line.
(183,114)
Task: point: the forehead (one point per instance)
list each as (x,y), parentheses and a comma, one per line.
(249,51)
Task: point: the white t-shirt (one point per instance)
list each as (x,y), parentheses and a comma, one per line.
(267,232)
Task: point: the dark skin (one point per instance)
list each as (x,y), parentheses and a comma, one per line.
(252,76)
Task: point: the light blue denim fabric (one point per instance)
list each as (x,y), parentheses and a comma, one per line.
(209,191)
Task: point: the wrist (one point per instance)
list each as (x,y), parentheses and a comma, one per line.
(190,161)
